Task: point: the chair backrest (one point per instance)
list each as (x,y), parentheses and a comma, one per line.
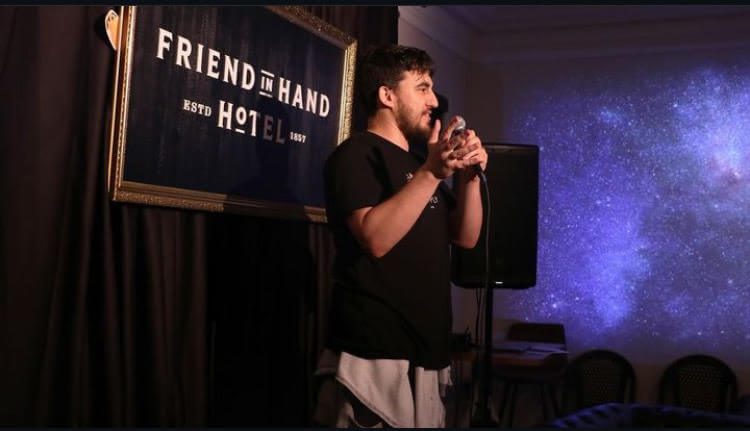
(597,377)
(699,382)
(536,332)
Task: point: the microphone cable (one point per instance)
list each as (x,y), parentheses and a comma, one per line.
(480,292)
(458,129)
(485,285)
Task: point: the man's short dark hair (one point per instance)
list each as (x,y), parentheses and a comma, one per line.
(385,65)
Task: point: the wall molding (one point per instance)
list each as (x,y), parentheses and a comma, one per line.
(622,39)
(639,37)
(441,27)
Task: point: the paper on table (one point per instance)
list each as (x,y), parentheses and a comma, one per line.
(527,346)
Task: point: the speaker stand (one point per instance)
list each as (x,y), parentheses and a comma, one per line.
(482,417)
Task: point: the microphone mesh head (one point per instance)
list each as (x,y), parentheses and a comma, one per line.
(460,124)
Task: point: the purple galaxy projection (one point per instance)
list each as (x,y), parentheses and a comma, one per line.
(644,208)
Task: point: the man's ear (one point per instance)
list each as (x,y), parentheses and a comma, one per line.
(386,96)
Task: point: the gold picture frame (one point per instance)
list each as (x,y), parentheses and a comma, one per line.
(165,150)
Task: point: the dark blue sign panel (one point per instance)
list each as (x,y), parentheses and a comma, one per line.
(229,108)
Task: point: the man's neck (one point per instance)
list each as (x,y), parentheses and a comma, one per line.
(387,129)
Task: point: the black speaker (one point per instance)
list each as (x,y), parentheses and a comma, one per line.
(513,182)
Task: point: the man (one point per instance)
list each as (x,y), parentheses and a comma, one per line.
(393,218)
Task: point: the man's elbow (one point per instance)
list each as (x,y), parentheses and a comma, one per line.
(467,243)
(377,254)
(375,248)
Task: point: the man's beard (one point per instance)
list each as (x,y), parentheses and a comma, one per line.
(412,130)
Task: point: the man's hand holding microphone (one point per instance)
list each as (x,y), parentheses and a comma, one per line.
(456,149)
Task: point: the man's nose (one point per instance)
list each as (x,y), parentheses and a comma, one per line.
(433,101)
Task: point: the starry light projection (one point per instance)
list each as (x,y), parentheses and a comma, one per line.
(644,210)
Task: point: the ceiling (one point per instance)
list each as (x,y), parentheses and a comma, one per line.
(489,19)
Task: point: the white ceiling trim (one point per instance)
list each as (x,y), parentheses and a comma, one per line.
(441,27)
(615,39)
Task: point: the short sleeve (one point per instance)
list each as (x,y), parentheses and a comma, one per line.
(354,178)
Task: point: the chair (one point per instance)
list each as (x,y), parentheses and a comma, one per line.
(546,376)
(597,377)
(742,406)
(699,382)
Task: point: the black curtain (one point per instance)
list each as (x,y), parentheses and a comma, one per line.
(126,315)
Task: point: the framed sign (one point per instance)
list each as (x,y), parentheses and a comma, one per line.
(228,108)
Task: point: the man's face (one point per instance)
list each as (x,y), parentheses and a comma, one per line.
(415,100)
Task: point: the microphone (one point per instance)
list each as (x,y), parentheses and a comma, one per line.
(460,128)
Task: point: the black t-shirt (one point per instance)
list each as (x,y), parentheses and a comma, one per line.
(397,306)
